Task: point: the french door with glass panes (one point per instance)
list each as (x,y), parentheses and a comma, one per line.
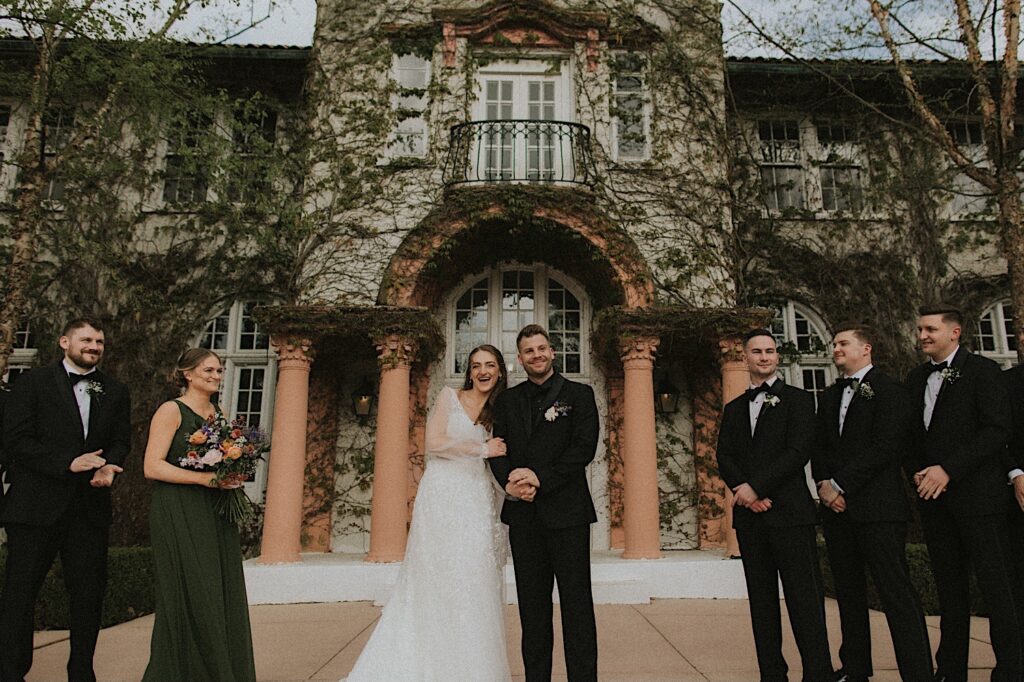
(521,151)
(493,307)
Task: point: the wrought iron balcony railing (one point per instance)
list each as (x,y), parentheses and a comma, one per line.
(519,151)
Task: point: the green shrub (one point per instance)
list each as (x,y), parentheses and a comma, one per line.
(129,594)
(920,575)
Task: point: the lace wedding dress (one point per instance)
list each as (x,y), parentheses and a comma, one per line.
(445,619)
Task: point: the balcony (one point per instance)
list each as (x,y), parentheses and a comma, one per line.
(519,151)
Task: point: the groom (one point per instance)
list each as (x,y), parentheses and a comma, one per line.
(550,427)
(67,429)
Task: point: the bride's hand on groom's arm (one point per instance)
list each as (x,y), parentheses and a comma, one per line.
(495,448)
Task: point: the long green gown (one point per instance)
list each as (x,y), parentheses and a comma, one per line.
(202,616)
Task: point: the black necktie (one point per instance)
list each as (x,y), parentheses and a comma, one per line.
(75,378)
(848,382)
(938,367)
(752,392)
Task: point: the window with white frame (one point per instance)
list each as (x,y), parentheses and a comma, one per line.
(782,175)
(22,356)
(970,199)
(57,125)
(995,337)
(412,77)
(631,123)
(495,306)
(254,129)
(185,172)
(840,170)
(249,372)
(802,336)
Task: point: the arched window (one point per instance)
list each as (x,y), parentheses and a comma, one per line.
(250,371)
(805,346)
(995,338)
(23,354)
(493,307)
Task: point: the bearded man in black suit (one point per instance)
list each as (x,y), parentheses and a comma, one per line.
(961,425)
(550,427)
(862,432)
(67,436)
(763,445)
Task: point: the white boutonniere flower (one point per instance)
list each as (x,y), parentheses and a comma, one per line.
(865,391)
(950,375)
(771,400)
(94,388)
(557,410)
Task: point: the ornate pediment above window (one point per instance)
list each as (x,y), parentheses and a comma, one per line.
(523,24)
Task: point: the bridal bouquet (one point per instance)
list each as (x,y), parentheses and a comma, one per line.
(230,450)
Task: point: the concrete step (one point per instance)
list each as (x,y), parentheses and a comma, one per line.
(339,577)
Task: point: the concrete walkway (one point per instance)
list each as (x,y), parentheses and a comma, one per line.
(674,639)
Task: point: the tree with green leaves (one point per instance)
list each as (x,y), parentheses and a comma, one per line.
(951,64)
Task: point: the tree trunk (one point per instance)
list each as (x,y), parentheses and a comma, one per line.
(1011,228)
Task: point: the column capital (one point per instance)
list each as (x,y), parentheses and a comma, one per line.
(395,350)
(293,351)
(637,352)
(730,349)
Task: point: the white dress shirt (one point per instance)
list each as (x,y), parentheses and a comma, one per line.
(931,389)
(844,403)
(81,396)
(757,403)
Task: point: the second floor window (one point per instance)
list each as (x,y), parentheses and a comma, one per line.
(782,177)
(630,109)
(254,130)
(185,174)
(840,170)
(412,76)
(57,125)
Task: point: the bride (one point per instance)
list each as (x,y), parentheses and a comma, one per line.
(445,620)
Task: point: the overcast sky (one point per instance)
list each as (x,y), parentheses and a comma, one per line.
(290,22)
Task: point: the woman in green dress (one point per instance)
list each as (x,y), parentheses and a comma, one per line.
(201,632)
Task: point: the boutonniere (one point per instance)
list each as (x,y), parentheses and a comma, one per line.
(865,391)
(94,388)
(557,409)
(950,375)
(771,400)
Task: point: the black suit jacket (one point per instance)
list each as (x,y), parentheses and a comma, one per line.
(970,427)
(772,459)
(557,451)
(1015,449)
(44,434)
(866,459)
(3,456)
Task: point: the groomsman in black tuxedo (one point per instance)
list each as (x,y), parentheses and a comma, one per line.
(961,425)
(4,392)
(1015,468)
(550,427)
(862,430)
(763,445)
(67,437)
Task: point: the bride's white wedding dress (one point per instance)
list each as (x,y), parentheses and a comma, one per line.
(445,619)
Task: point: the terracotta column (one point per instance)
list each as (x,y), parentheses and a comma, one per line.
(282,521)
(735,380)
(389,509)
(640,516)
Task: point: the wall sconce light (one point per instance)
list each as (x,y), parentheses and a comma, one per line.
(362,400)
(666,397)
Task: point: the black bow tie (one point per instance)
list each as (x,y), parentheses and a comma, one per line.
(938,367)
(752,392)
(848,382)
(75,378)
